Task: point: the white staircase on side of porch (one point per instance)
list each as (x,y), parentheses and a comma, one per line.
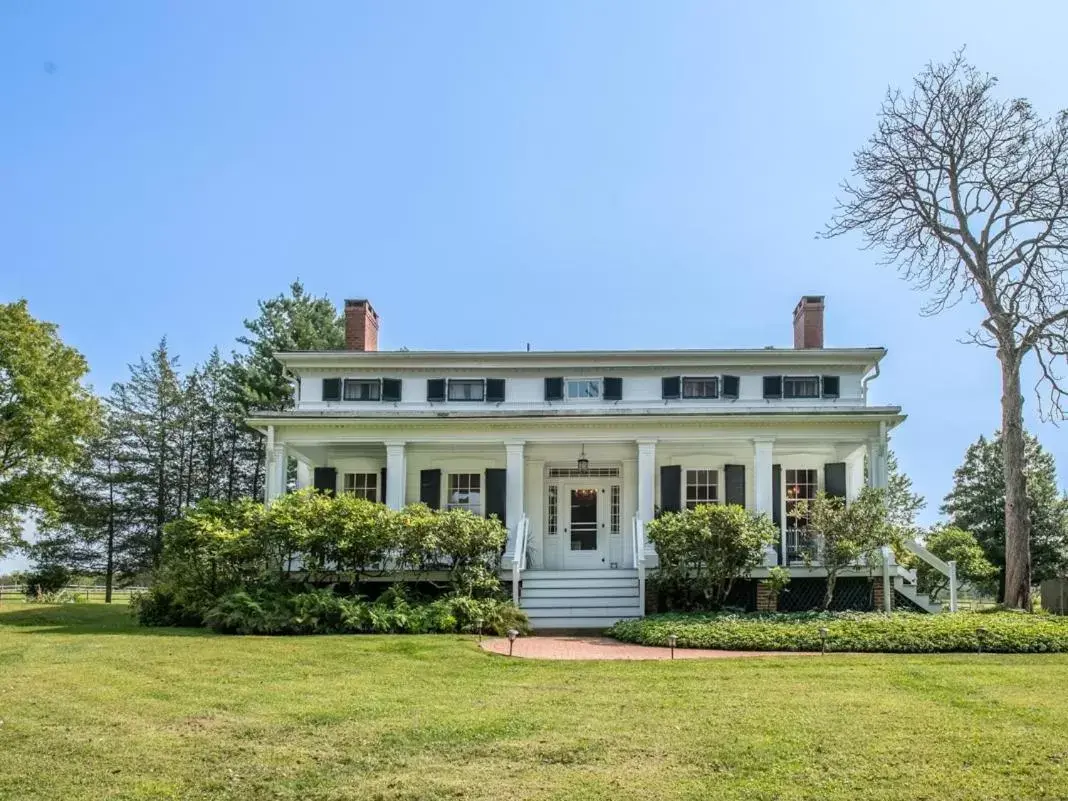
(580,599)
(905,583)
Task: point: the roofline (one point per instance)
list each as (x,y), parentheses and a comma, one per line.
(563,358)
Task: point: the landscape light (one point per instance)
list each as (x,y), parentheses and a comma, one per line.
(512,634)
(672,639)
(980,635)
(823,640)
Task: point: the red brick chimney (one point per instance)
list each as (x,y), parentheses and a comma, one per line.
(361,326)
(808,322)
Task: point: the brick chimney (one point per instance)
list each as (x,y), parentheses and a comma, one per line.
(361,326)
(808,322)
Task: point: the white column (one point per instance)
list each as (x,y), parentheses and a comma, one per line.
(763,456)
(304,474)
(275,479)
(513,503)
(646,479)
(877,460)
(396,474)
(854,475)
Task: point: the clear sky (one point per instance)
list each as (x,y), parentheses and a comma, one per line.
(573,175)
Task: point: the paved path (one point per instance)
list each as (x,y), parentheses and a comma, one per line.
(606,648)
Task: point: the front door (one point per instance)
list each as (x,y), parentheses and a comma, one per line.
(585,534)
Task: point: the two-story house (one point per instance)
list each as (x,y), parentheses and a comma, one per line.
(575,450)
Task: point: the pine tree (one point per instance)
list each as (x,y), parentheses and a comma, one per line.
(977,504)
(902,504)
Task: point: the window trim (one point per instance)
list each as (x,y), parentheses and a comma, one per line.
(345,382)
(365,473)
(598,380)
(816,378)
(717,381)
(693,468)
(461,380)
(481,509)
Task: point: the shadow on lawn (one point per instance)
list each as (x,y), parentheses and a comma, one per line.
(83,619)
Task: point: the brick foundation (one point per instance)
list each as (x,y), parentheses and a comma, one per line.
(652,602)
(877,595)
(765,599)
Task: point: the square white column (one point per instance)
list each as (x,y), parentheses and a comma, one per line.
(855,474)
(513,503)
(304,475)
(396,474)
(763,458)
(646,479)
(275,478)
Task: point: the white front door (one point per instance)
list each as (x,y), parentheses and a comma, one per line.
(585,517)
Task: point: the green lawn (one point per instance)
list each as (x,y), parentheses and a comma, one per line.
(95,708)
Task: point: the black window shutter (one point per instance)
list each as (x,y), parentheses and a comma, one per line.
(331,389)
(773,386)
(831,385)
(613,389)
(382,488)
(391,389)
(435,390)
(776,496)
(734,484)
(430,488)
(834,479)
(496,492)
(670,488)
(671,387)
(554,389)
(494,390)
(325,480)
(730,386)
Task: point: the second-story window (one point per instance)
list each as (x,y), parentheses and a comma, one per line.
(807,386)
(357,389)
(700,387)
(582,388)
(467,389)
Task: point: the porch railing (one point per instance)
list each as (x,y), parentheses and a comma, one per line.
(639,561)
(519,557)
(947,569)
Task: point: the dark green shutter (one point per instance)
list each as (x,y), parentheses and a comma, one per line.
(734,484)
(776,497)
(382,489)
(671,387)
(496,492)
(554,389)
(773,386)
(730,386)
(391,389)
(430,488)
(331,389)
(670,488)
(613,389)
(831,385)
(435,390)
(494,390)
(325,480)
(834,479)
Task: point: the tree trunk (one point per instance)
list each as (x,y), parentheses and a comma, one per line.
(1017,516)
(828,596)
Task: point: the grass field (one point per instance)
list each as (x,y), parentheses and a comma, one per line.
(95,708)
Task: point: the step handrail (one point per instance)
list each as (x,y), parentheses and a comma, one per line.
(519,555)
(947,569)
(638,529)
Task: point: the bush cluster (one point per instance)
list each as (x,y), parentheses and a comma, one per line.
(300,565)
(1002,632)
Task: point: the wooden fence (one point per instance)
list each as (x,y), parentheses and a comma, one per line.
(90,592)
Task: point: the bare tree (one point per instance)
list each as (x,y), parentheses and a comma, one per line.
(967,195)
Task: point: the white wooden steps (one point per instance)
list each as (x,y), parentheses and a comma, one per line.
(580,599)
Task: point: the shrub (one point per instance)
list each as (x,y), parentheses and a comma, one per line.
(46,580)
(901,632)
(159,607)
(703,550)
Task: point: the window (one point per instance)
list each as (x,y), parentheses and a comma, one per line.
(467,389)
(361,485)
(615,508)
(702,486)
(362,390)
(583,388)
(465,492)
(700,387)
(801,485)
(554,495)
(801,386)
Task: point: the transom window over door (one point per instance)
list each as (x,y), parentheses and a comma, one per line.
(702,486)
(582,388)
(465,492)
(361,485)
(467,389)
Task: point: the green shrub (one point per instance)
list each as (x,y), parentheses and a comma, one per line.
(852,631)
(160,607)
(46,580)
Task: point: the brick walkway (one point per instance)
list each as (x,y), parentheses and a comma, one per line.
(605,648)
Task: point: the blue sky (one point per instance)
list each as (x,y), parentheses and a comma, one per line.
(573,175)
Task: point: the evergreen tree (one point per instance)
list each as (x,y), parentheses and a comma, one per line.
(977,504)
(902,504)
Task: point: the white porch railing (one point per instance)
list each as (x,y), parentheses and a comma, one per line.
(519,555)
(639,561)
(947,569)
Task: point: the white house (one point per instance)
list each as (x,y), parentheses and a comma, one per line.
(576,450)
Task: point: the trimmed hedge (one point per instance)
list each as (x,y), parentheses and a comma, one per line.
(902,632)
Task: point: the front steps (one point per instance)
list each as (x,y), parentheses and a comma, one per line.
(907,589)
(579,599)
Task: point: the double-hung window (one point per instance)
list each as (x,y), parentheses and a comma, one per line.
(360,389)
(702,486)
(360,485)
(699,388)
(467,389)
(582,388)
(465,492)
